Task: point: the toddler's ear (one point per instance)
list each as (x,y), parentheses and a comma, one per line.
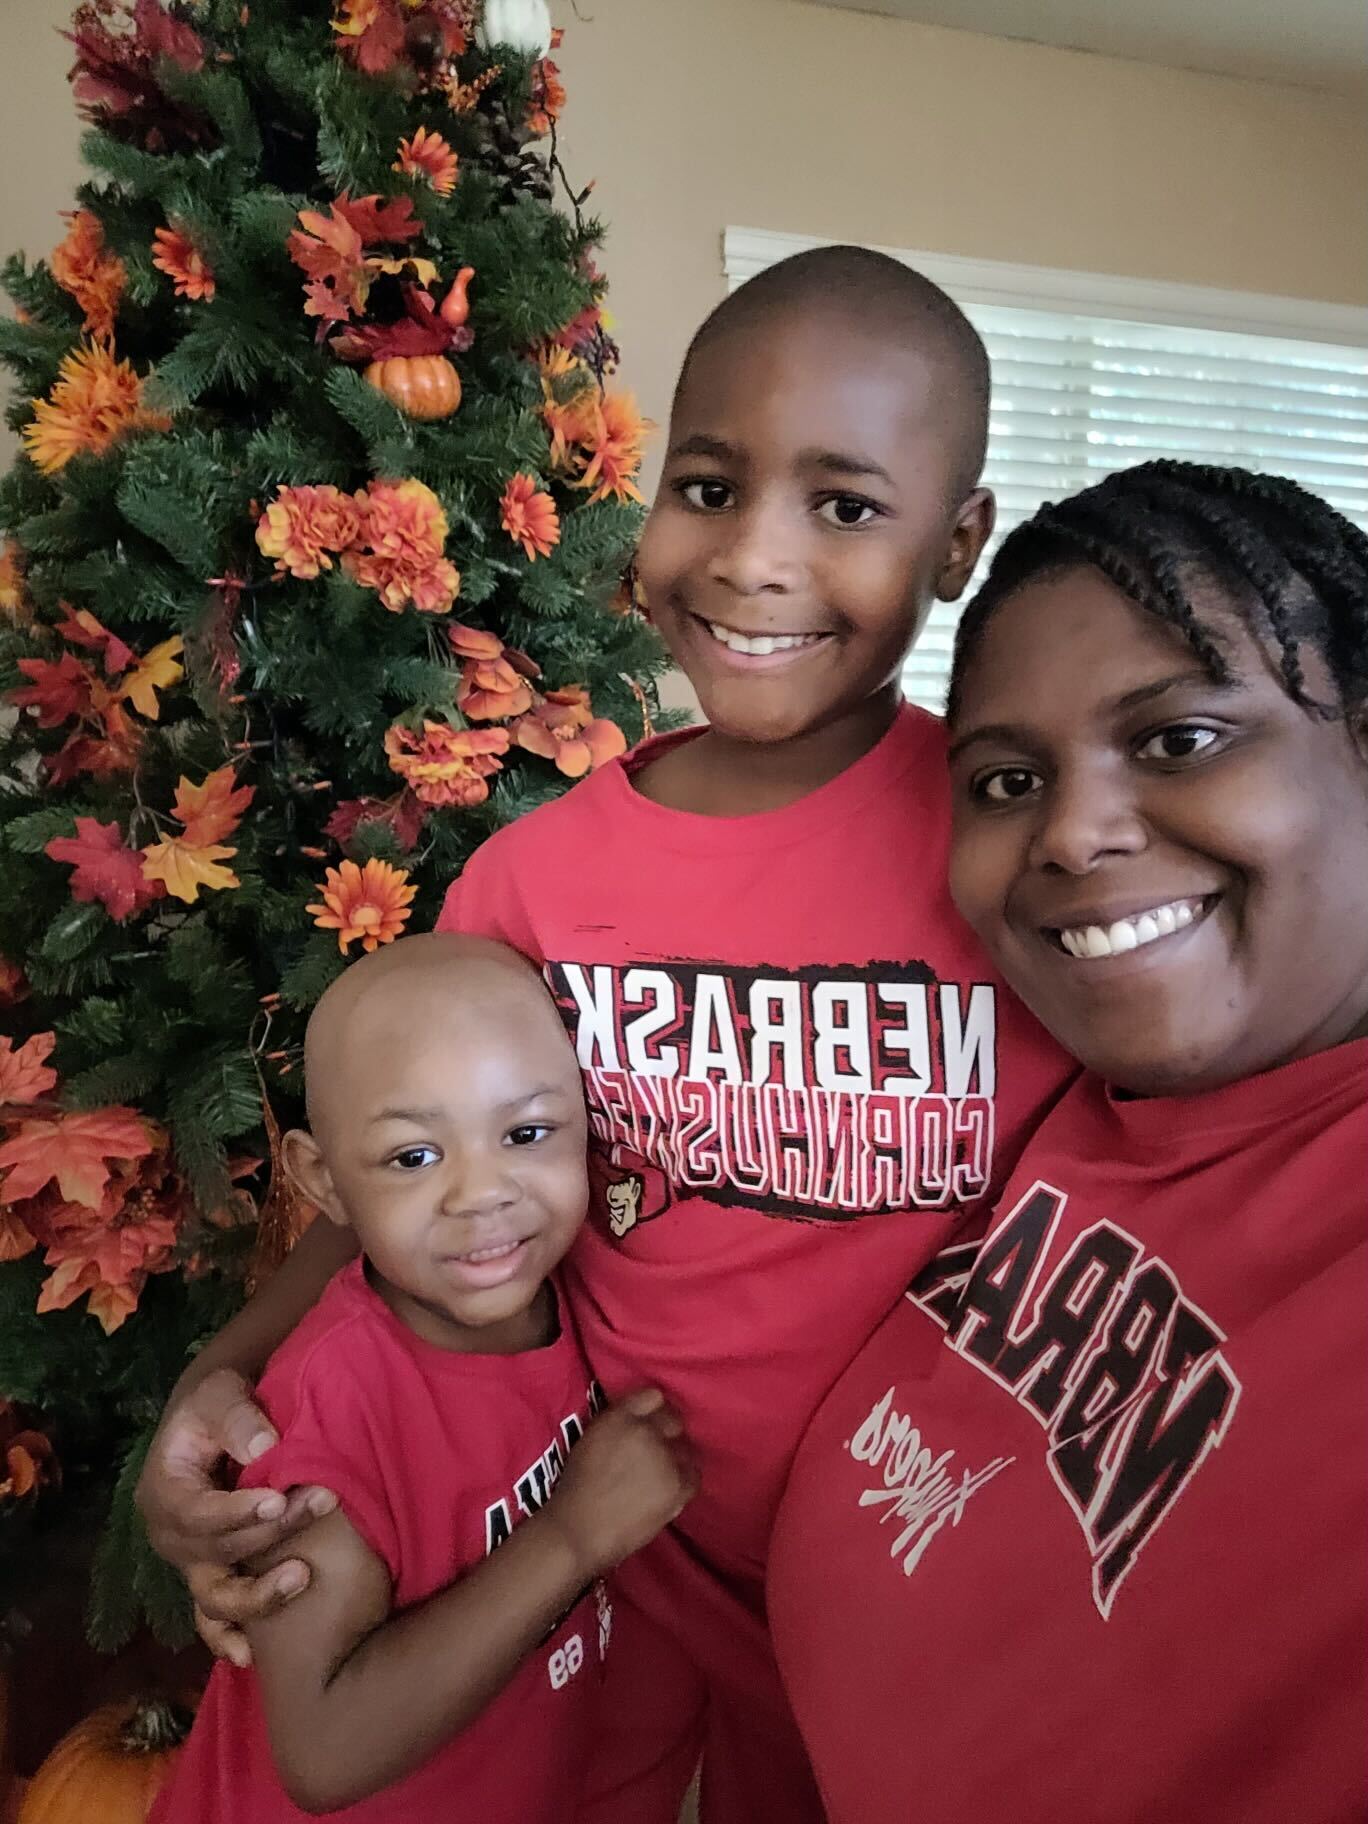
(973,528)
(308,1170)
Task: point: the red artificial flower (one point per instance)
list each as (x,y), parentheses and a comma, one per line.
(402,815)
(529,516)
(114,78)
(105,868)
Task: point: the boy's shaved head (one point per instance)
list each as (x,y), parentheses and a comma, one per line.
(377,992)
(875,294)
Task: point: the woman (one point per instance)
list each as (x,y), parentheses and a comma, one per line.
(1079,1537)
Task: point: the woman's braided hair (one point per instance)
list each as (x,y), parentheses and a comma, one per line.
(1297,567)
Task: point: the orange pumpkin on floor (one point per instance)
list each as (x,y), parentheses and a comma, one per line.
(422,386)
(110,1767)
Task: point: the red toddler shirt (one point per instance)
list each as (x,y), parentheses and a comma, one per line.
(1083,1532)
(800,1069)
(434,1456)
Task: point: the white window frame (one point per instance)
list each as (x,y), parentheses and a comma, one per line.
(746,251)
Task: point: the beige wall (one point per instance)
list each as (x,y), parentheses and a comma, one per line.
(697,114)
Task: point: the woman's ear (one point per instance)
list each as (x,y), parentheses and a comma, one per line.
(1358,729)
(309,1172)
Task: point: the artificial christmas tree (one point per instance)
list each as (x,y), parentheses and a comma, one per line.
(313,577)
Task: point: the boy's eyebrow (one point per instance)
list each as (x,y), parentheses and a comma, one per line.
(702,445)
(419,1116)
(1012,735)
(532,1095)
(839,462)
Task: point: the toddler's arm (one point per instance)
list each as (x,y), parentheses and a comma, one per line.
(356,1697)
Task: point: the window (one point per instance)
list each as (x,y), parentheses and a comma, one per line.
(1093,374)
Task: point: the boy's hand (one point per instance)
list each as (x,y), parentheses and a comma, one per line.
(204,1529)
(630,1475)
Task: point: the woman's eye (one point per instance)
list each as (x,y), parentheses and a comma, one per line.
(709,495)
(1183,741)
(414,1158)
(1006,785)
(529,1133)
(848,510)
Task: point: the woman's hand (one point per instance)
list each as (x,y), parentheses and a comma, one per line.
(206,1530)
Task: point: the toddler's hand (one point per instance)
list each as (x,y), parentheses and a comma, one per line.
(628,1477)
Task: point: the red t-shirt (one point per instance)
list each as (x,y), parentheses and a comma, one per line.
(800,1069)
(1083,1532)
(434,1456)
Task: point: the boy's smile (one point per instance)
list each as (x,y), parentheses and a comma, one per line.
(1168,871)
(807,517)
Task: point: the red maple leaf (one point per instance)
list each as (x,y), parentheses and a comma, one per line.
(80,628)
(105,868)
(75,1150)
(58,692)
(375,220)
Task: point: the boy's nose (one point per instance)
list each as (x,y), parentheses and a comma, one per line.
(759,556)
(479,1188)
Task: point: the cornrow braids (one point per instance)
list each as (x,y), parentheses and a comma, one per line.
(1298,567)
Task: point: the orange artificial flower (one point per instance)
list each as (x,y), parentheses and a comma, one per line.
(25,1074)
(529,516)
(446,765)
(94,277)
(612,443)
(399,554)
(14,602)
(572,421)
(175,254)
(563,728)
(494,676)
(370,903)
(303,528)
(94,402)
(428,154)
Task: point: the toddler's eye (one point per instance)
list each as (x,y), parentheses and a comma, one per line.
(848,510)
(710,495)
(1182,741)
(529,1133)
(414,1158)
(1006,784)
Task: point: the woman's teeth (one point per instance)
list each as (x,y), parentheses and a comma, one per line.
(761,644)
(1089,941)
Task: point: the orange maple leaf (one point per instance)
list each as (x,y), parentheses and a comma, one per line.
(25,1074)
(184,867)
(15,1238)
(75,1150)
(211,810)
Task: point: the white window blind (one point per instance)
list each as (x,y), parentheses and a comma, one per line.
(1076,398)
(1092,373)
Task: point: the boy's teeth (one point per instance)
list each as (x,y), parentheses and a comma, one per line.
(508,1247)
(1088,941)
(760,644)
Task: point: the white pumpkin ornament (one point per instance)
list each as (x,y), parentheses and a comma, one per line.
(523,25)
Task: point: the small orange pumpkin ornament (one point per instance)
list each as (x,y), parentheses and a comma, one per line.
(110,1766)
(422,386)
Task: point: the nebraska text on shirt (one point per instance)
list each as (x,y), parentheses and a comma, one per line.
(826,1093)
(1095,1339)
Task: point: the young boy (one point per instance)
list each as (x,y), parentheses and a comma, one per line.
(447,1649)
(800,1067)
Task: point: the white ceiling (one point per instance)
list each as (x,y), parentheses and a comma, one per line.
(1323,43)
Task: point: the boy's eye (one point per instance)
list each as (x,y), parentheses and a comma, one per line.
(1180,741)
(529,1133)
(1006,785)
(709,495)
(848,510)
(414,1158)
